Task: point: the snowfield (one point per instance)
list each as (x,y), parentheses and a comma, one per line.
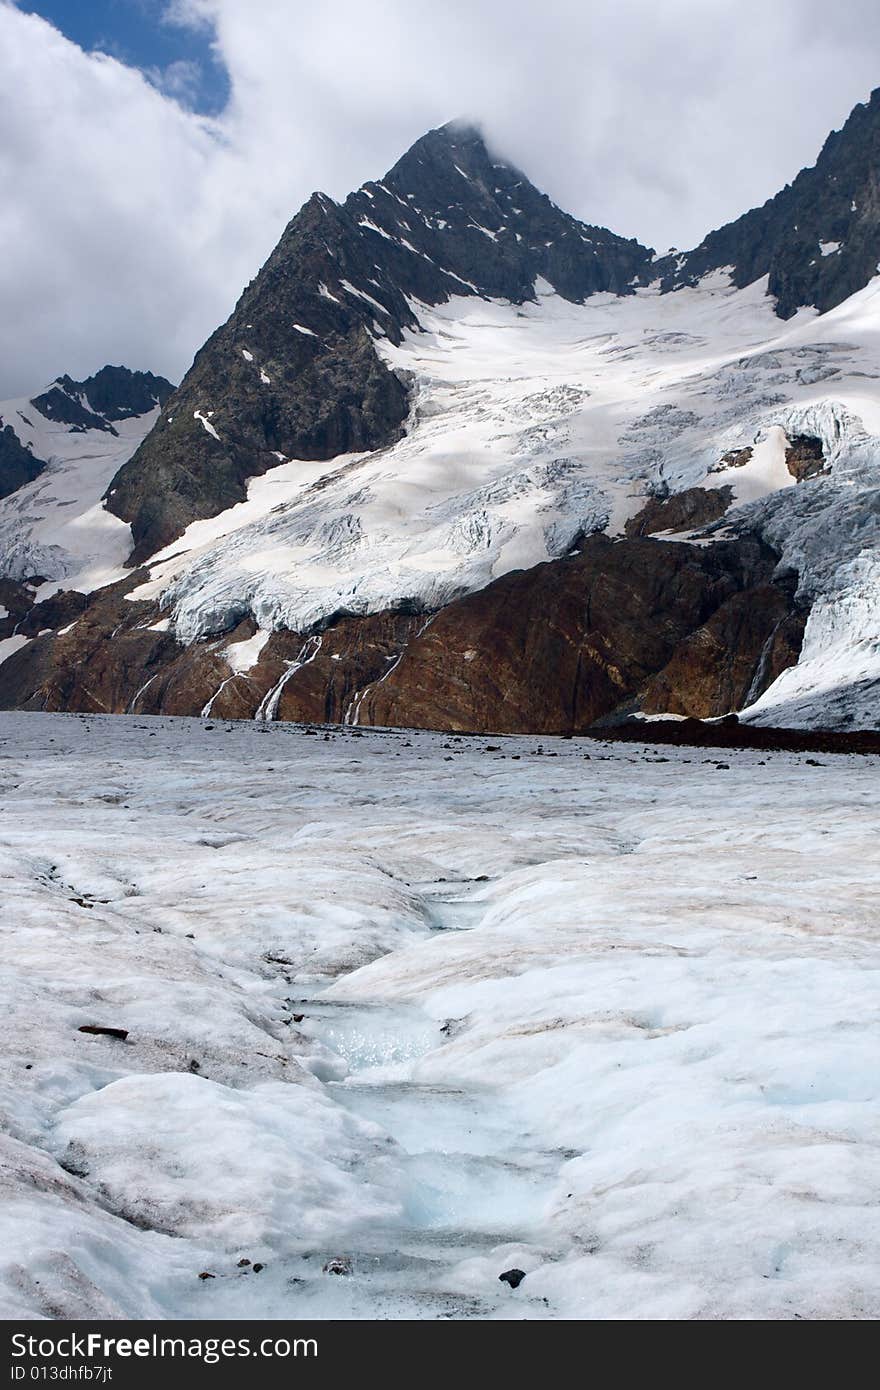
(57,526)
(439,1008)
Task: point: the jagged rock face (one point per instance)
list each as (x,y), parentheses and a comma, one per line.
(316,679)
(83,669)
(117,393)
(479,222)
(61,404)
(352,658)
(113,393)
(17,464)
(263,389)
(747,642)
(682,511)
(18,601)
(556,648)
(618,627)
(294,372)
(804,457)
(818,240)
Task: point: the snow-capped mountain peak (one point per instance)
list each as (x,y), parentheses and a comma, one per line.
(58,451)
(460,459)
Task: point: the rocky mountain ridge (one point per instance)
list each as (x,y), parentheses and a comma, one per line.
(102,400)
(294,372)
(458,460)
(818,240)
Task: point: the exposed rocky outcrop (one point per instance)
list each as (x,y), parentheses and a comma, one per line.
(17,464)
(818,240)
(615,628)
(52,614)
(18,600)
(680,511)
(315,679)
(726,663)
(355,656)
(734,458)
(563,645)
(97,665)
(294,372)
(804,457)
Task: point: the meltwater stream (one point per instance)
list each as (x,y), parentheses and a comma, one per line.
(475,1188)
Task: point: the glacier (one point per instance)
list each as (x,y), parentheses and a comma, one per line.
(433,1008)
(533,425)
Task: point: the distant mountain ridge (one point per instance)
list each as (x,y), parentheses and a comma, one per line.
(818,240)
(58,451)
(100,402)
(110,395)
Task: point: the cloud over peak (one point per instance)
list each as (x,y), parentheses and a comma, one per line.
(130,223)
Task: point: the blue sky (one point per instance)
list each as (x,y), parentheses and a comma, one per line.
(175,57)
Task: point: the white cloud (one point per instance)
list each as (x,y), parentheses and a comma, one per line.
(109,252)
(181,80)
(129,225)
